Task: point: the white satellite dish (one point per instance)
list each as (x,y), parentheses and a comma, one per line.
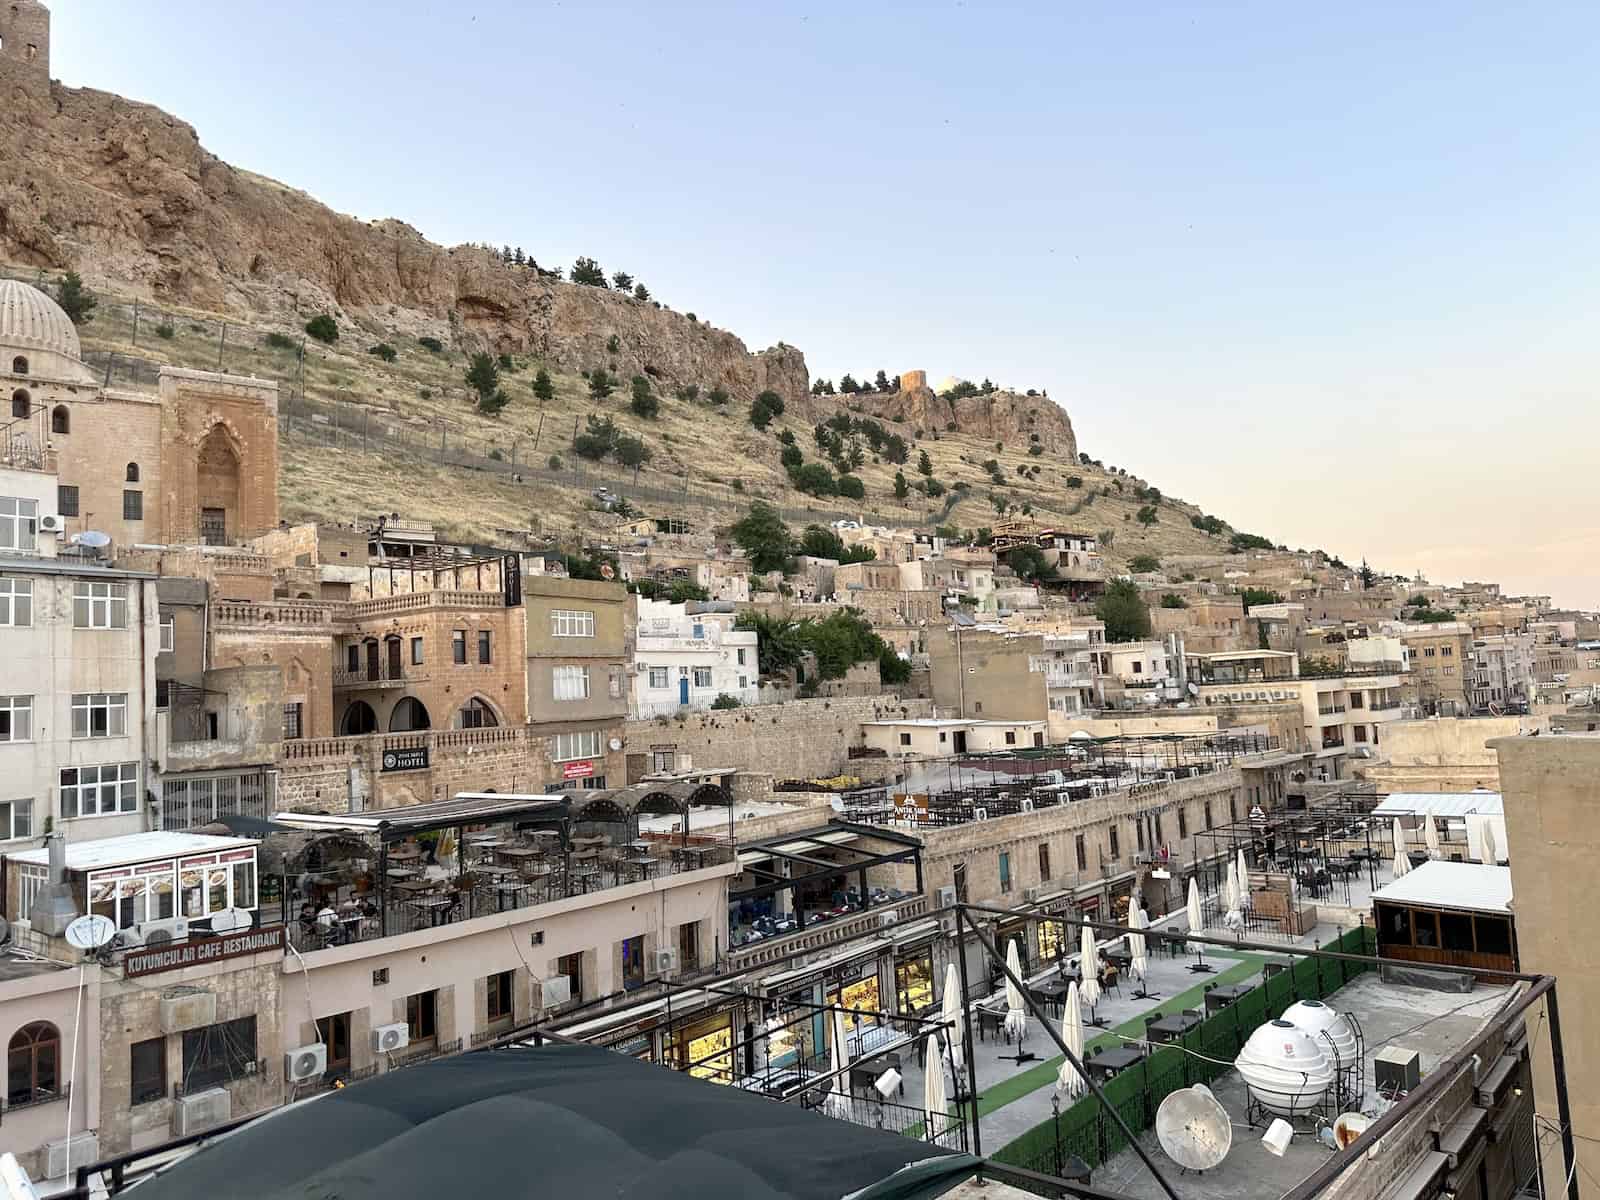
(92,538)
(1193,1128)
(91,932)
(232,920)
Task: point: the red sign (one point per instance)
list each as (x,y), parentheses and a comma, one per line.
(577,770)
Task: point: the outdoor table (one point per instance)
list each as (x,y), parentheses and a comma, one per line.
(507,890)
(1173,1026)
(645,863)
(1219,998)
(1108,1062)
(494,872)
(641,847)
(989,1021)
(436,907)
(1052,993)
(398,873)
(518,854)
(415,887)
(405,854)
(1120,957)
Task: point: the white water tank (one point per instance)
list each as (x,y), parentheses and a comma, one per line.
(1287,1070)
(1315,1017)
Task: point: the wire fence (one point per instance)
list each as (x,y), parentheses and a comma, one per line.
(318,405)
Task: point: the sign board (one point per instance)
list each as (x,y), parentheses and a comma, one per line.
(413,759)
(201,951)
(577,770)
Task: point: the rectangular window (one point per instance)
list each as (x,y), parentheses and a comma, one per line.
(1446,651)
(99,605)
(702,677)
(689,945)
(1138,667)
(569,683)
(132,505)
(1115,844)
(1208,814)
(218,1054)
(163,694)
(352,658)
(169,635)
(458,647)
(1361,732)
(905,739)
(1183,824)
(334,1033)
(292,729)
(16,819)
(584,744)
(19,524)
(1358,699)
(571,965)
(416,652)
(148,1061)
(422,1015)
(98,791)
(1005,871)
(499,997)
(571,623)
(1011,737)
(658,678)
(67,500)
(741,656)
(16,718)
(1044,861)
(1082,850)
(100,714)
(632,962)
(484,657)
(16,602)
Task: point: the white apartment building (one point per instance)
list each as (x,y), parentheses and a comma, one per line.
(1136,664)
(77,692)
(1502,671)
(684,658)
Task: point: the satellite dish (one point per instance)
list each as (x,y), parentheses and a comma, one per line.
(615,743)
(1193,1129)
(91,932)
(232,920)
(92,538)
(1194,690)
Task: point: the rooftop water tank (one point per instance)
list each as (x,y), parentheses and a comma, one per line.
(1315,1017)
(1287,1070)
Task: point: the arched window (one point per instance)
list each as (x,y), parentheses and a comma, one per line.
(133,473)
(408,715)
(60,419)
(33,1059)
(358,719)
(21,403)
(19,365)
(476,714)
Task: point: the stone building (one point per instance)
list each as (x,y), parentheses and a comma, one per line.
(197,461)
(25,44)
(578,658)
(986,673)
(1441,667)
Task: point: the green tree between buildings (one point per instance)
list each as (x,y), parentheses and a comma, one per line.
(1123,610)
(1141,564)
(79,303)
(764,538)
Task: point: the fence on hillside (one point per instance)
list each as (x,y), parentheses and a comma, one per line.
(1087,1131)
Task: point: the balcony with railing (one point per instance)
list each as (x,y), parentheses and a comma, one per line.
(1329,710)
(386,675)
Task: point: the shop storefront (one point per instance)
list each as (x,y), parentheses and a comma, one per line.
(704,1047)
(913,982)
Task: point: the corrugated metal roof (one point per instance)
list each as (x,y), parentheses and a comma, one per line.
(1475,887)
(1441,804)
(133,848)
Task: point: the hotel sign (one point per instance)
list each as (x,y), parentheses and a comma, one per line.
(413,759)
(577,770)
(202,951)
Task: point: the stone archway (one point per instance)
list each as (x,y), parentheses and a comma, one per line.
(409,714)
(217,487)
(358,719)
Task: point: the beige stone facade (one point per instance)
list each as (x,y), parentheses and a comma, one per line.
(979,673)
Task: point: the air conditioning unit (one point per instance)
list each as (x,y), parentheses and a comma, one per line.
(66,1155)
(202,1111)
(169,929)
(50,523)
(666,962)
(980,814)
(1031,895)
(888,919)
(184,1008)
(1027,804)
(947,897)
(555,991)
(386,1039)
(305,1062)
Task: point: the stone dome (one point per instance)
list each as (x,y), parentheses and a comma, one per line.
(31,320)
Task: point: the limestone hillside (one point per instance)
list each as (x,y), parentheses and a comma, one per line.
(180,245)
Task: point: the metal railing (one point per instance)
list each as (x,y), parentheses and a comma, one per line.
(383,676)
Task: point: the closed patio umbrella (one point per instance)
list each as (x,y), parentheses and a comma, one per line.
(1138,950)
(1089,965)
(1402,862)
(1244,881)
(1430,835)
(838,1101)
(1233,906)
(1491,852)
(1197,925)
(1068,1081)
(1016,1009)
(952,1015)
(933,1098)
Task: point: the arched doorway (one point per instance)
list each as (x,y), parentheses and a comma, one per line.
(217,486)
(476,713)
(410,714)
(358,719)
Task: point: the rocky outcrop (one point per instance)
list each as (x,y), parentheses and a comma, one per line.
(126,194)
(1003,416)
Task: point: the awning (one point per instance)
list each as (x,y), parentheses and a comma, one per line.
(561,1120)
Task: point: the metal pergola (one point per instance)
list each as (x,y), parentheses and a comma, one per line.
(801,851)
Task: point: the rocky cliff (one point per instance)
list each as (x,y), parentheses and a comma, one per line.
(126,194)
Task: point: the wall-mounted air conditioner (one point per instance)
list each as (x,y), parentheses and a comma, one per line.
(980,814)
(555,991)
(666,962)
(169,929)
(1031,895)
(66,1155)
(305,1062)
(1027,804)
(202,1111)
(50,523)
(387,1039)
(947,897)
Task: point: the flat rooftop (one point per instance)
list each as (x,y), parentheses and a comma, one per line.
(1471,887)
(1441,804)
(133,848)
(1434,1024)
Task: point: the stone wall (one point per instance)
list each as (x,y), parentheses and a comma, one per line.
(804,739)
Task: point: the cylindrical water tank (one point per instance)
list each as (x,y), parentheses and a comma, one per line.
(1286,1069)
(1315,1017)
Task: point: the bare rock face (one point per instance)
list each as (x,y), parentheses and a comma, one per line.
(1002,416)
(126,194)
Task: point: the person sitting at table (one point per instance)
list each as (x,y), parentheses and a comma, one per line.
(308,915)
(328,922)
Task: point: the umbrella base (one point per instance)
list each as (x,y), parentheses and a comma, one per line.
(1141,994)
(1021,1056)
(1201,968)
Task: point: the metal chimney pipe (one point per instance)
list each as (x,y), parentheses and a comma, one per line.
(56,847)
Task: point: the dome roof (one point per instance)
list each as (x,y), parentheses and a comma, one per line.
(31,320)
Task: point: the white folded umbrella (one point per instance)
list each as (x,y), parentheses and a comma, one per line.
(1430,836)
(1136,942)
(1402,861)
(1068,1081)
(1244,880)
(950,1012)
(1016,1009)
(838,1101)
(933,1099)
(1491,852)
(1089,962)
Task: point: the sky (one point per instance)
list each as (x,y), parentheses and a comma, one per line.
(1327,271)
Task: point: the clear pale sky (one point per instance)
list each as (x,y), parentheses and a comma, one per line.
(1328,271)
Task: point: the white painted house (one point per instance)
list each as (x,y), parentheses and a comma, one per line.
(684,658)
